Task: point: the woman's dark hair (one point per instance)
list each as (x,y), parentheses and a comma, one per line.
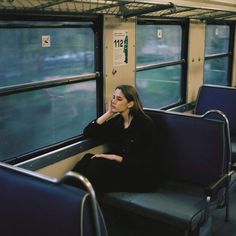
(131,94)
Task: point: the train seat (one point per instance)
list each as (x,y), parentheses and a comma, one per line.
(233,142)
(33,204)
(194,166)
(221,98)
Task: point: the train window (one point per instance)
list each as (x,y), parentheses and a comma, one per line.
(160,64)
(42,54)
(35,119)
(48,84)
(162,90)
(217,54)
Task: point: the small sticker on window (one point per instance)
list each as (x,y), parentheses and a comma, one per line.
(159,33)
(46,41)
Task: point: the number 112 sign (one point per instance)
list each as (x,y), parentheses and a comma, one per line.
(120,47)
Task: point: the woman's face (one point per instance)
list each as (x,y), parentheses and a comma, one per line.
(119,103)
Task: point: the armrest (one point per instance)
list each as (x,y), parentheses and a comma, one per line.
(233,166)
(213,189)
(183,108)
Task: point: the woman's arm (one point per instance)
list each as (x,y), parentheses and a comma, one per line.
(107,115)
(100,128)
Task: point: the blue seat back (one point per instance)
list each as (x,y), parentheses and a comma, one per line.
(191,148)
(33,206)
(221,98)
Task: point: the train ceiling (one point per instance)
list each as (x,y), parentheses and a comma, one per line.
(121,8)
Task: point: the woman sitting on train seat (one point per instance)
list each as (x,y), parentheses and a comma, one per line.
(130,133)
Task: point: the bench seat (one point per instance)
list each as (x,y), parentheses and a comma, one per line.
(178,204)
(222,98)
(217,97)
(194,162)
(233,146)
(34,204)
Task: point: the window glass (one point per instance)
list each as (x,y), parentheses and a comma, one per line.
(158,43)
(43,54)
(159,87)
(35,119)
(216,71)
(217,39)
(40,116)
(216,66)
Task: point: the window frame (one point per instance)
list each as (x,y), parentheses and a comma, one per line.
(229,54)
(57,21)
(184,24)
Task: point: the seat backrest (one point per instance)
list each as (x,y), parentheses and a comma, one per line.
(218,97)
(31,205)
(191,148)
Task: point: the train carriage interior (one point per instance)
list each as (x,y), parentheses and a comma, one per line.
(60,61)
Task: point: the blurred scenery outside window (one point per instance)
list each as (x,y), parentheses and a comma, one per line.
(216,53)
(157,44)
(37,118)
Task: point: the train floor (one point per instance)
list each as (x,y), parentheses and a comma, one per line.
(123,224)
(222,228)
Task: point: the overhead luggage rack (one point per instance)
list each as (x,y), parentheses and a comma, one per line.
(121,8)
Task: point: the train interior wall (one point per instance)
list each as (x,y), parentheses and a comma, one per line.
(125,74)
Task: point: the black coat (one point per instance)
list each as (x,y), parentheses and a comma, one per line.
(136,144)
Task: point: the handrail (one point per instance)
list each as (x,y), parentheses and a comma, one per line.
(225,119)
(92,194)
(46,84)
(122,8)
(222,114)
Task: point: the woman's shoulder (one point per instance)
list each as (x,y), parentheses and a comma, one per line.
(116,120)
(144,120)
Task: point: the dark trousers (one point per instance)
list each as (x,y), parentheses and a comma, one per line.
(103,174)
(111,176)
